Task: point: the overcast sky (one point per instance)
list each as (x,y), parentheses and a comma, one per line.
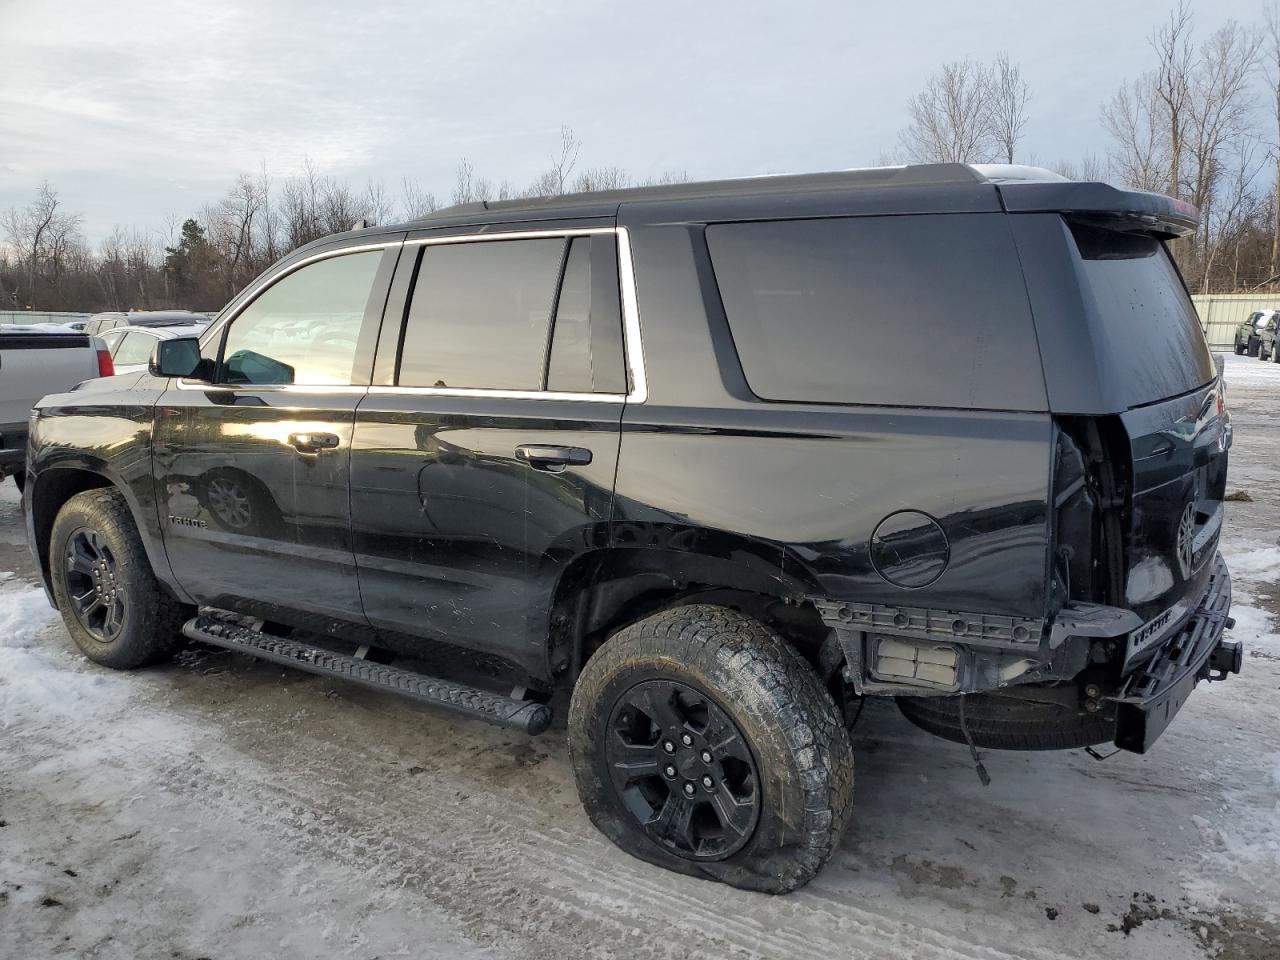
(138,111)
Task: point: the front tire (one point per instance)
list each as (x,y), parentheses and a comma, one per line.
(116,611)
(704,743)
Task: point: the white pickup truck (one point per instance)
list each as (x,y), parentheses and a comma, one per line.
(35,361)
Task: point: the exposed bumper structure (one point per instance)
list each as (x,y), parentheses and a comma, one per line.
(1151,696)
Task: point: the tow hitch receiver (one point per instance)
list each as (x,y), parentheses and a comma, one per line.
(1227,657)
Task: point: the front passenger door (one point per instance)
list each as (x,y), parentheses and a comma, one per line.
(253,469)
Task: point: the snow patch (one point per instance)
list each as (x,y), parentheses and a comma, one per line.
(1256,566)
(38,680)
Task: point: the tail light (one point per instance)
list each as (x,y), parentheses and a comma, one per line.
(105,367)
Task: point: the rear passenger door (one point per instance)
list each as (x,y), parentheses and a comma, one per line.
(483,458)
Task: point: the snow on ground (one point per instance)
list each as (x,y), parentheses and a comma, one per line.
(222,807)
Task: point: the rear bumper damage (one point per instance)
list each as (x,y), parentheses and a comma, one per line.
(1152,695)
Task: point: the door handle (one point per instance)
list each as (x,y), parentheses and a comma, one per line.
(552,459)
(313,442)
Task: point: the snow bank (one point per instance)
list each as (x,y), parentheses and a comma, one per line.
(1250,371)
(38,677)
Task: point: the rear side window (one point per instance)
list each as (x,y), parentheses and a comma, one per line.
(529,315)
(1148,327)
(135,348)
(923,311)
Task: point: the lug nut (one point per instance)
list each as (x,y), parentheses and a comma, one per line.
(686,740)
(668,746)
(706,756)
(1091,706)
(689,789)
(1092,690)
(669,770)
(708,782)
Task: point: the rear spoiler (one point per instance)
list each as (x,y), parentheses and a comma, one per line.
(1101,204)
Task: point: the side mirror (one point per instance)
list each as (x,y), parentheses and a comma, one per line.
(179,357)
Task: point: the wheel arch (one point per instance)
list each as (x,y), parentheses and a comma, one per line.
(57,483)
(602,591)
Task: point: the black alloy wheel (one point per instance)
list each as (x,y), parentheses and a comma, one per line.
(97,590)
(683,770)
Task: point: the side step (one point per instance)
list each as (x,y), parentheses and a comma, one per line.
(522,715)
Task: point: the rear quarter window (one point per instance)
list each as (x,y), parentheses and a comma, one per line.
(920,311)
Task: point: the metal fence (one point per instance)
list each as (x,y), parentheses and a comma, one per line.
(1221,313)
(39,316)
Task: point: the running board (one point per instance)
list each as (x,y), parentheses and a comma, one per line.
(522,715)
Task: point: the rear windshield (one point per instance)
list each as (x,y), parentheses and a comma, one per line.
(922,311)
(1147,327)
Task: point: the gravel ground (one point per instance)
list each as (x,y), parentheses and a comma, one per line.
(220,807)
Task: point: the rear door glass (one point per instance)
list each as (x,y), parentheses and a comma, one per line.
(1146,324)
(925,311)
(480,314)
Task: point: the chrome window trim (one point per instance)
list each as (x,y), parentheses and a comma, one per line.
(498,394)
(633,350)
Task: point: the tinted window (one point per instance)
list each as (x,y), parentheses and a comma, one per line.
(135,348)
(480,314)
(905,311)
(304,328)
(1149,329)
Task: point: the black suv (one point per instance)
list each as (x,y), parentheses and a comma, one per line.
(668,449)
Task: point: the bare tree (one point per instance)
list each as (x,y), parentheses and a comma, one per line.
(42,238)
(1237,205)
(377,203)
(595,179)
(1172,44)
(1008,96)
(468,186)
(1273,66)
(951,116)
(1140,143)
(414,201)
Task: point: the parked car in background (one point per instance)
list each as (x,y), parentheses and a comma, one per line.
(663,449)
(36,360)
(131,347)
(1249,334)
(102,322)
(1267,335)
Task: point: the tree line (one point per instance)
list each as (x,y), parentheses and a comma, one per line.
(1201,123)
(202,261)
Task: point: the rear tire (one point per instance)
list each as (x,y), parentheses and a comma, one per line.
(1001,722)
(719,684)
(114,608)
(1254,345)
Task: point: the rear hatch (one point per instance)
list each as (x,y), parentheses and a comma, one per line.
(1172,435)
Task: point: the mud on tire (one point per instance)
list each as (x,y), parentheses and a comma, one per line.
(726,673)
(149,621)
(1001,722)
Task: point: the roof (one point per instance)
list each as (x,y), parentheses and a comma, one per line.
(606,202)
(920,188)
